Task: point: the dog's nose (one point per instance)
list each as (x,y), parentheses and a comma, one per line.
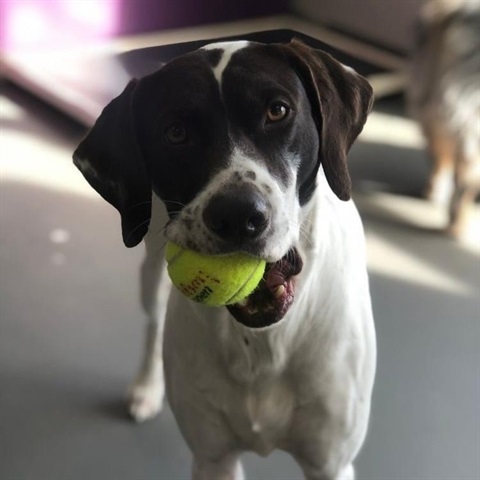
(237,214)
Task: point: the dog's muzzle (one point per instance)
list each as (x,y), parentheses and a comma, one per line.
(269,303)
(239,217)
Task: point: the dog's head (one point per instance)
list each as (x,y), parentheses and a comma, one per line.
(231,138)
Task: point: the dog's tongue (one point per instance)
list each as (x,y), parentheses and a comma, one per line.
(273,297)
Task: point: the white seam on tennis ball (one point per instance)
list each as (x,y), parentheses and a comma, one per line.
(244,283)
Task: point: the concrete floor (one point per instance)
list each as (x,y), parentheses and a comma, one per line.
(72,328)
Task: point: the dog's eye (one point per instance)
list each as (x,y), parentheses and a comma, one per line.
(176,133)
(277,111)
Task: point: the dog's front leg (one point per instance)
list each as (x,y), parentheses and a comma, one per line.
(147,392)
(312,473)
(440,181)
(226,468)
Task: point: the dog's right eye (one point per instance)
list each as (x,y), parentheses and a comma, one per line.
(176,134)
(276,112)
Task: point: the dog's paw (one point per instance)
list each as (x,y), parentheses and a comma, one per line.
(145,400)
(348,473)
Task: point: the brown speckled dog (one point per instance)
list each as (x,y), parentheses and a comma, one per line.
(445,98)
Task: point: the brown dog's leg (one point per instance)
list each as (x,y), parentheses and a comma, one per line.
(441,178)
(466,188)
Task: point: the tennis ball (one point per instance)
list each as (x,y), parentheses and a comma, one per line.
(213,280)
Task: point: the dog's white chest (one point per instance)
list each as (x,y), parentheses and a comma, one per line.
(262,415)
(261,403)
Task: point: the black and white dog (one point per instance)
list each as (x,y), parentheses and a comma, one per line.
(241,146)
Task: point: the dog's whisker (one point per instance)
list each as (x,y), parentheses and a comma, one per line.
(306,236)
(174,201)
(304,231)
(136,205)
(162,229)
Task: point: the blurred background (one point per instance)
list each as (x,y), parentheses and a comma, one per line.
(71,327)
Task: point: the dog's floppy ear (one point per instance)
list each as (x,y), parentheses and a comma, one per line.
(111,161)
(341,100)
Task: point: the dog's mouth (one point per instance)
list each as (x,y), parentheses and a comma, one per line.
(271,300)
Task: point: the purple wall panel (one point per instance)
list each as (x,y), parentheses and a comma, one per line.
(147,15)
(40,24)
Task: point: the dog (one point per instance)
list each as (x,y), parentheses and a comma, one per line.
(444,96)
(242,146)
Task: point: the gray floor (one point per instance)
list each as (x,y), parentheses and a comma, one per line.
(71,327)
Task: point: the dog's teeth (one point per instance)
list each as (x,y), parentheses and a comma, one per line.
(243,303)
(279,291)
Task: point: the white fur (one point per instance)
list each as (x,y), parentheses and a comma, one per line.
(229,48)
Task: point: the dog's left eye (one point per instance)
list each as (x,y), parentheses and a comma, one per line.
(277,111)
(176,133)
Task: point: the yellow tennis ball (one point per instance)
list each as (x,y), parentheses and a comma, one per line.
(213,280)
